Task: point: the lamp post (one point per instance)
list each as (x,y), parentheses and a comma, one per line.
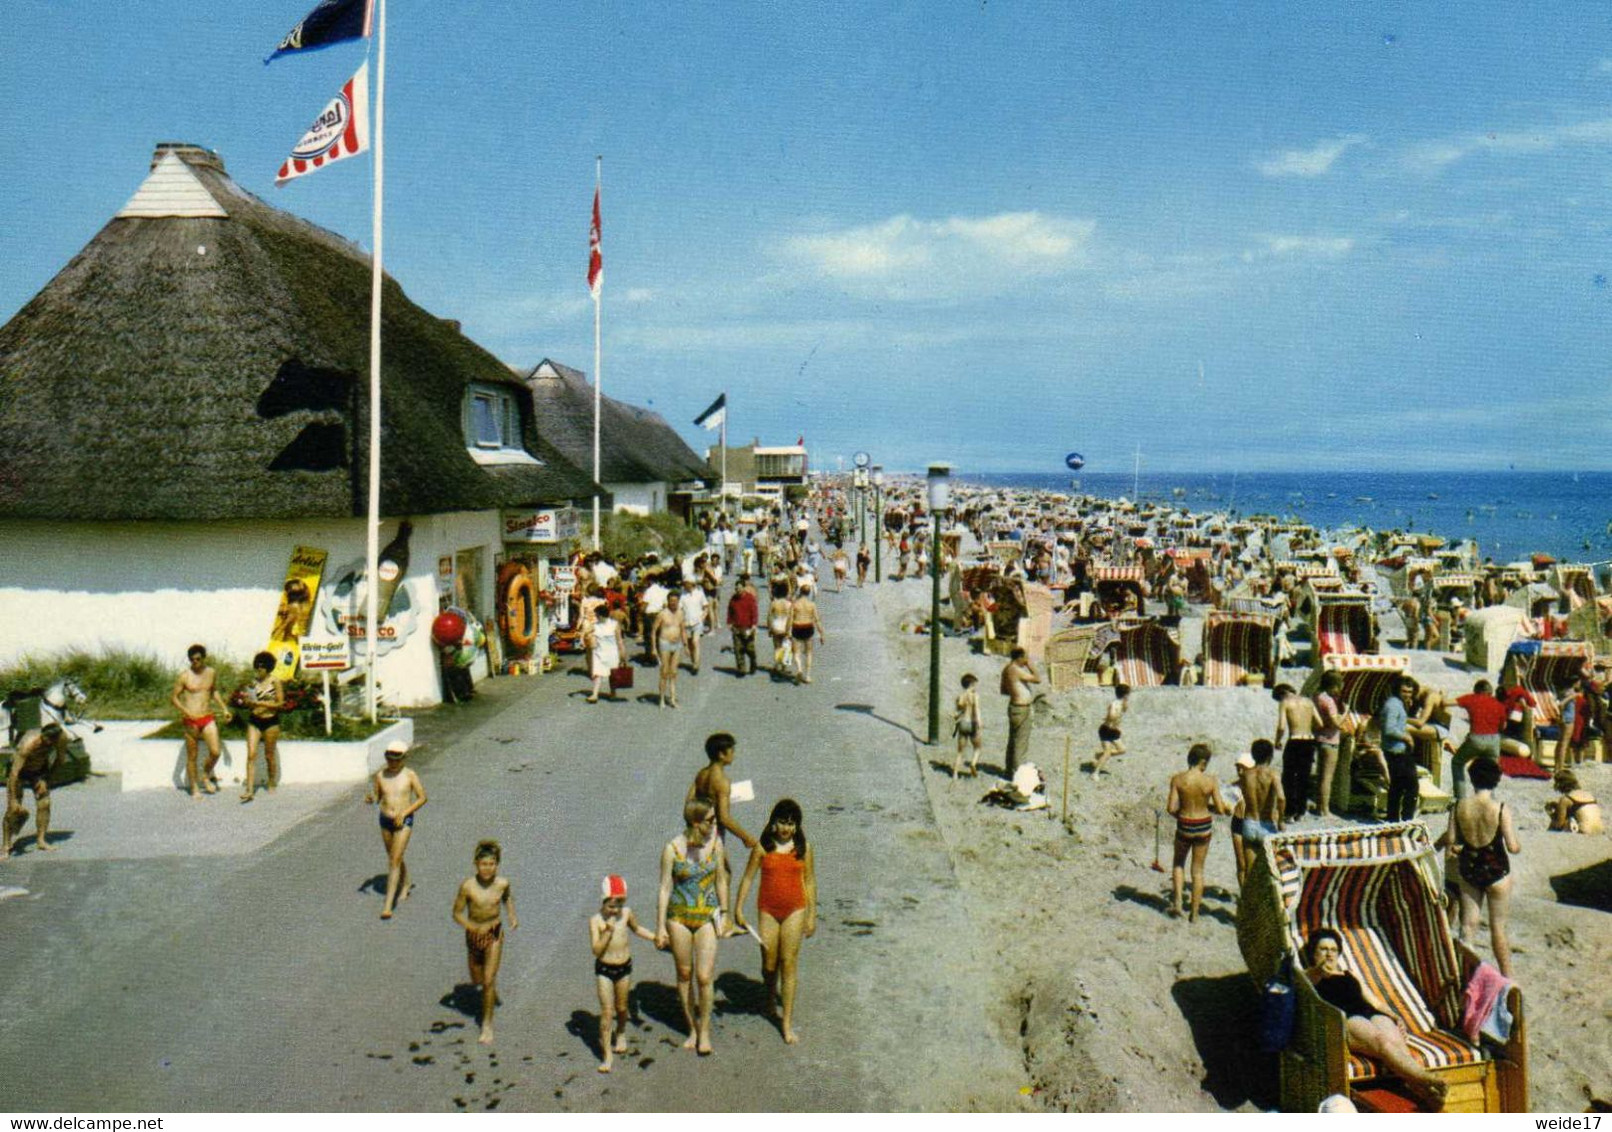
(939,478)
(878,522)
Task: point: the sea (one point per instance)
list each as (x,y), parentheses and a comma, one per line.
(1511,515)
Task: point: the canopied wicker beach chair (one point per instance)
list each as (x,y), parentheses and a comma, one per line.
(1379,887)
(1236,645)
(1068,652)
(1121,586)
(1366,681)
(1543,667)
(1146,656)
(1342,624)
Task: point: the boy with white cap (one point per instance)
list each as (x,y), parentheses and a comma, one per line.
(612,965)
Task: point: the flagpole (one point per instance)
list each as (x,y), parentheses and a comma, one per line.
(598,378)
(372,549)
(722,492)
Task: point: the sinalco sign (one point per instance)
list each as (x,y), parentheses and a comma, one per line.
(552,525)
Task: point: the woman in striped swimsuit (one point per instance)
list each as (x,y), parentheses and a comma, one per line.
(692,906)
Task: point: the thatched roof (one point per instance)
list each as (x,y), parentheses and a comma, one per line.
(635,444)
(191,365)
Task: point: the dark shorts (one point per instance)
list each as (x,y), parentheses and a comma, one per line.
(615,972)
(391,826)
(802,632)
(1108,734)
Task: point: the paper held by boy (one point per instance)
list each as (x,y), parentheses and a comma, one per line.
(742,791)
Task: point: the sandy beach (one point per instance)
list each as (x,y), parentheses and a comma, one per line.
(1112,1005)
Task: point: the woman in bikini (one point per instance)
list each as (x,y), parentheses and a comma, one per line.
(804,624)
(1482,836)
(786,905)
(265,700)
(1372,1029)
(693,899)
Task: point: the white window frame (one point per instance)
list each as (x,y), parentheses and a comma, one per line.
(505,409)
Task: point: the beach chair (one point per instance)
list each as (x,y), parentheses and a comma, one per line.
(1068,652)
(1147,655)
(1366,680)
(1381,889)
(1236,645)
(1542,667)
(1342,624)
(1121,586)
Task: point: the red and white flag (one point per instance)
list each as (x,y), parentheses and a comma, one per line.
(595,256)
(341,130)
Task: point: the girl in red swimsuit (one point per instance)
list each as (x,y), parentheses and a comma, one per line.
(786,904)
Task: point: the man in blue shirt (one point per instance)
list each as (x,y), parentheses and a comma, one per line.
(1393,719)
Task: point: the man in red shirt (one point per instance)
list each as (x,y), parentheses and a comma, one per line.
(1485,717)
(1518,700)
(742,617)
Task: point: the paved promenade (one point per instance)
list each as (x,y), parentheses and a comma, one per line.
(184,955)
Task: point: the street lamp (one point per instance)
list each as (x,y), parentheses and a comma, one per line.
(939,478)
(878,522)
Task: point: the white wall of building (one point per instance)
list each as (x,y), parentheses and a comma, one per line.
(640,498)
(157,587)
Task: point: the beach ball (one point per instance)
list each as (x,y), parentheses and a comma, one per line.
(448,629)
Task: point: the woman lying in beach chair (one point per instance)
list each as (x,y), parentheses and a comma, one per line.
(1378,893)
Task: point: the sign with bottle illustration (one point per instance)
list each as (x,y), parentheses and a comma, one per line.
(343,603)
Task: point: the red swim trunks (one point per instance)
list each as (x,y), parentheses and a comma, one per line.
(197,723)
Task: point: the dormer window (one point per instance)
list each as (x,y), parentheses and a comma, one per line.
(492,426)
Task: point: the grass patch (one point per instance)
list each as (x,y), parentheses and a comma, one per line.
(635,535)
(120,683)
(293,725)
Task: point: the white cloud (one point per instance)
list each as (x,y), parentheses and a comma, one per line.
(1310,162)
(956,258)
(635,295)
(1434,156)
(1279,247)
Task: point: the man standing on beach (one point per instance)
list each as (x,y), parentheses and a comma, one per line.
(1393,719)
(1193,802)
(1015,685)
(1295,719)
(743,614)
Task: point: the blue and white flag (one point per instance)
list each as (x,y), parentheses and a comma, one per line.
(331,21)
(715,415)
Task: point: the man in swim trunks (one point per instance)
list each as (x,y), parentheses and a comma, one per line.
(666,631)
(1193,802)
(38,752)
(804,624)
(195,691)
(476,908)
(400,793)
(1264,804)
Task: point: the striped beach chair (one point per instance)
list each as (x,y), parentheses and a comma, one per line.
(1342,624)
(1146,656)
(1380,888)
(1542,667)
(1236,645)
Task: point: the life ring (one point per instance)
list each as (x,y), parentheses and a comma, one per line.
(517,610)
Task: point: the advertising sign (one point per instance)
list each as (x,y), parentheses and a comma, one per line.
(549,525)
(342,604)
(332,654)
(297,599)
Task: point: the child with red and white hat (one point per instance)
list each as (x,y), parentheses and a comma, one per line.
(612,965)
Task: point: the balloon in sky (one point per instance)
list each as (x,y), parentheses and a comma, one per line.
(1075,461)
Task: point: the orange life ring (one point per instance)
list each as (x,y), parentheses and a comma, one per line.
(517,611)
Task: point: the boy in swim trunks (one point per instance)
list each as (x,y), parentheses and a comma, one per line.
(966,726)
(1108,732)
(37,754)
(195,691)
(400,793)
(1193,802)
(1264,803)
(476,908)
(610,932)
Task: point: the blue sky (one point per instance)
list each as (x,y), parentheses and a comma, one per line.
(1244,236)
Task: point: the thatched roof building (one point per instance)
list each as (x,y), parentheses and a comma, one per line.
(206,357)
(636,446)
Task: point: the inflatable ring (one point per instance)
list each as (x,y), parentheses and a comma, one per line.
(518,609)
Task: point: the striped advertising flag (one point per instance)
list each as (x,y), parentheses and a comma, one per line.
(341,130)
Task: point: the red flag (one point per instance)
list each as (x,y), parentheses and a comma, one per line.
(595,257)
